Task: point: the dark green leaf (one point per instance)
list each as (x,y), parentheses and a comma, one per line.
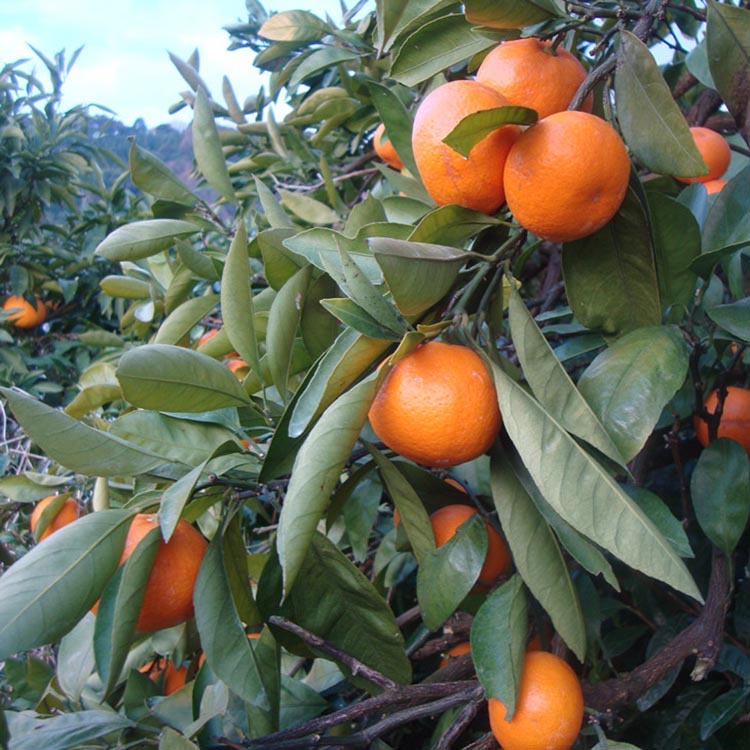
(451,225)
(478,125)
(720,488)
(733,318)
(722,710)
(353,315)
(397,121)
(395,17)
(75,658)
(207,147)
(728,222)
(510,14)
(653,506)
(141,239)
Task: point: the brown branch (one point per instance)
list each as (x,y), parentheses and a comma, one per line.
(702,639)
(706,104)
(486,742)
(460,723)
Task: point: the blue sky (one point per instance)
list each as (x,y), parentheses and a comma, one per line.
(124,64)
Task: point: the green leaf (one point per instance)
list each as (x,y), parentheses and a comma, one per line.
(207,147)
(728,47)
(118,611)
(228,652)
(172,378)
(283,322)
(294,26)
(720,489)
(318,327)
(141,239)
(308,209)
(551,383)
(45,593)
(77,446)
(395,17)
(537,555)
(452,225)
(75,658)
(733,317)
(629,384)
(418,274)
(448,573)
(677,242)
(182,319)
(651,121)
(172,740)
(610,276)
(353,315)
(478,125)
(360,512)
(436,46)
(510,14)
(322,59)
(175,497)
(653,506)
(720,711)
(727,224)
(316,470)
(332,598)
(397,121)
(75,729)
(578,489)
(498,638)
(125,287)
(154,177)
(272,209)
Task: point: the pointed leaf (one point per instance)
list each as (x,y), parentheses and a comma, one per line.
(478,125)
(651,122)
(498,637)
(733,318)
(75,658)
(154,177)
(351,314)
(629,383)
(448,573)
(272,209)
(45,593)
(394,17)
(722,710)
(451,226)
(174,499)
(308,209)
(510,14)
(537,555)
(578,488)
(141,239)
(727,224)
(294,26)
(172,378)
(551,383)
(670,527)
(397,121)
(184,318)
(78,729)
(316,470)
(207,147)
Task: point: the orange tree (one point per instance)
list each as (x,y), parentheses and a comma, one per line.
(323,269)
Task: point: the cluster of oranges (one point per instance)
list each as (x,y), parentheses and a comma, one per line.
(564,177)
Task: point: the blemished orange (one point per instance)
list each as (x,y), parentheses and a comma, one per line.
(714,186)
(445,522)
(67,514)
(168,595)
(735,417)
(532,73)
(25,315)
(549,711)
(385,150)
(437,406)
(566,176)
(475,182)
(454,652)
(715,151)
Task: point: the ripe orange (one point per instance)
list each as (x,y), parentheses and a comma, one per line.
(549,712)
(207,336)
(735,417)
(437,406)
(67,514)
(385,149)
(455,651)
(174,677)
(476,182)
(566,176)
(445,522)
(168,597)
(715,151)
(238,366)
(714,186)
(531,73)
(25,315)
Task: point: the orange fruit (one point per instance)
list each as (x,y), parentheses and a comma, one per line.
(455,651)
(174,677)
(168,596)
(531,73)
(476,182)
(715,151)
(714,186)
(385,149)
(238,366)
(549,711)
(67,514)
(445,522)
(25,315)
(207,336)
(566,176)
(735,417)
(437,406)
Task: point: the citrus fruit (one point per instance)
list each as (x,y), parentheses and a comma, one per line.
(715,151)
(238,366)
(24,314)
(67,514)
(174,677)
(454,652)
(549,711)
(477,181)
(385,150)
(437,406)
(735,417)
(566,176)
(168,596)
(532,73)
(714,186)
(445,522)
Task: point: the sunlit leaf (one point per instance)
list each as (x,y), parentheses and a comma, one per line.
(293,26)
(207,147)
(154,177)
(140,239)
